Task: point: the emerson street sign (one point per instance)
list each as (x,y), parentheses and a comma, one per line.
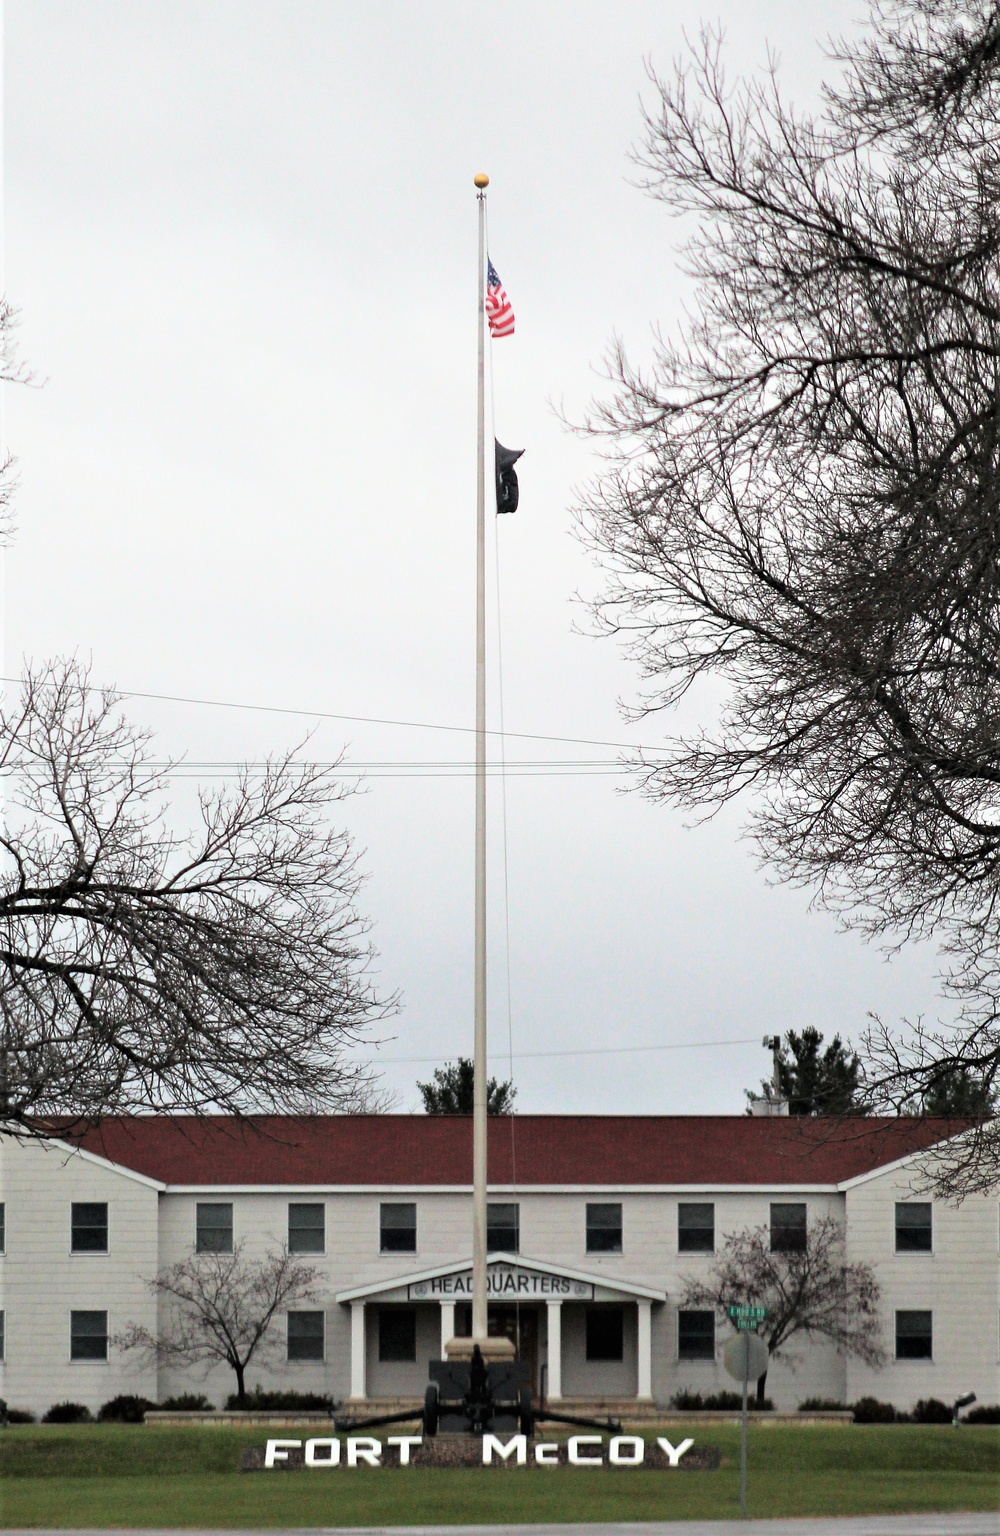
(746,1318)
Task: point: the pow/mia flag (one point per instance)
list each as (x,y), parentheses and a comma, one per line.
(506,458)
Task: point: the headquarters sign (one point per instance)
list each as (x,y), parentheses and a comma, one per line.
(504,1282)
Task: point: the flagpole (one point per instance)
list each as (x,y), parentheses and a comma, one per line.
(479,1117)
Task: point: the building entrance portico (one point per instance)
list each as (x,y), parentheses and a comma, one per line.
(583,1335)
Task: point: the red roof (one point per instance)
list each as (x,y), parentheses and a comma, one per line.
(590,1150)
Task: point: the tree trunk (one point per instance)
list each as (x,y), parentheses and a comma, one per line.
(241,1391)
(761,1383)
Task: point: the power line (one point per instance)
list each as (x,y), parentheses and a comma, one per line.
(320,714)
(603,1050)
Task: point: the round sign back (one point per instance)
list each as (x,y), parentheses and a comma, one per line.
(745,1356)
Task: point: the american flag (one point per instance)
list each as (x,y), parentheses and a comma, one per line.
(498,310)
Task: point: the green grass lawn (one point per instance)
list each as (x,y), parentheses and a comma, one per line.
(90,1475)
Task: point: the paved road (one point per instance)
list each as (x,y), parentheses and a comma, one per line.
(865,1525)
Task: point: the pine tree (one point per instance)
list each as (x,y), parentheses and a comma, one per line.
(451,1091)
(816,1082)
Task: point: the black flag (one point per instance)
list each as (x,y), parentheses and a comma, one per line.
(506,458)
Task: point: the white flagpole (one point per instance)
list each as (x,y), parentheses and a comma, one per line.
(479,1120)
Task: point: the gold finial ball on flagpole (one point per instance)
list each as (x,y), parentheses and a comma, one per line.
(482,180)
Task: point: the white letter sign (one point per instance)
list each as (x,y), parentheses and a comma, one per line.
(330,1459)
(404,1442)
(619,1448)
(575,1442)
(673,1455)
(365,1449)
(274,1451)
(517,1446)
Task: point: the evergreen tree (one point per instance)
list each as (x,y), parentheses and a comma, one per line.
(958,1094)
(815,1082)
(451,1091)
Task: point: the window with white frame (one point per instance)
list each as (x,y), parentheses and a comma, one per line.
(398,1227)
(696,1335)
(305,1336)
(306,1229)
(914,1233)
(696,1227)
(604,1228)
(89,1226)
(214,1227)
(914,1336)
(88,1336)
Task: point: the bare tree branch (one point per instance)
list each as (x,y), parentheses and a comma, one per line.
(140,970)
(220,1309)
(811,1293)
(801,500)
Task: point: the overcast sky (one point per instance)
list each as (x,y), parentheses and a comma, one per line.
(242,238)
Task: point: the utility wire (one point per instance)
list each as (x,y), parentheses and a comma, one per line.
(320,714)
(600,1050)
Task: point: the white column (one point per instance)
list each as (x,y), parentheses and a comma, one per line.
(447,1325)
(358,1349)
(645,1348)
(554,1313)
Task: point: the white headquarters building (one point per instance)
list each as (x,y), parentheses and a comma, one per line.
(595,1223)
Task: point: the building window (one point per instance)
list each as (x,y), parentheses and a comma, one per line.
(89,1228)
(88,1335)
(788,1229)
(604,1229)
(503,1228)
(3,1337)
(696,1335)
(913,1228)
(397,1333)
(3,1227)
(214,1228)
(914,1336)
(305,1336)
(696,1229)
(398,1228)
(605,1333)
(306,1229)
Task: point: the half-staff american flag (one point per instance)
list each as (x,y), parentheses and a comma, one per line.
(498,311)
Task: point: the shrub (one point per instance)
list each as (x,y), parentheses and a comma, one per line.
(20,1416)
(821,1405)
(718,1402)
(868,1410)
(930,1410)
(125,1409)
(986,1413)
(67,1413)
(279,1402)
(187,1402)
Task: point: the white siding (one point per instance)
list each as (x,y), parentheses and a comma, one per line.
(42,1281)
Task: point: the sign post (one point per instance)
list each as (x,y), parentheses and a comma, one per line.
(745,1355)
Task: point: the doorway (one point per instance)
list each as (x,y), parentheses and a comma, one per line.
(517,1323)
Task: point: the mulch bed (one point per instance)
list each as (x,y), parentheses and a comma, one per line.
(467,1451)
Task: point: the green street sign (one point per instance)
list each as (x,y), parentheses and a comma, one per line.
(744,1325)
(745,1316)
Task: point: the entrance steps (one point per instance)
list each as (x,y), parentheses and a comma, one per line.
(625,1408)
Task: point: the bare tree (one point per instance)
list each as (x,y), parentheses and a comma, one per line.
(221,1307)
(809,1292)
(800,504)
(141,970)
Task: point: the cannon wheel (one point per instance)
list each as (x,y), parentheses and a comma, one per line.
(525,1412)
(431,1409)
